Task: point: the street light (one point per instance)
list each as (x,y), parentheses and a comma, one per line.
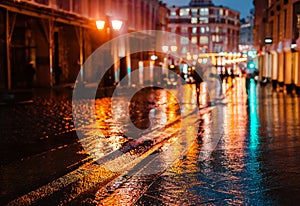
(110,27)
(115,24)
(100,24)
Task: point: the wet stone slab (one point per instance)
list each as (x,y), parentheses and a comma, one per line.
(255,162)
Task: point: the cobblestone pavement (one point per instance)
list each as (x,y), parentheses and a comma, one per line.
(39,143)
(256,160)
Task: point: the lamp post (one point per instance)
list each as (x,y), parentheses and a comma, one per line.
(115,24)
(110,26)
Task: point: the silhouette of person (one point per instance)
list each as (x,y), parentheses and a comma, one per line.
(30,74)
(198,72)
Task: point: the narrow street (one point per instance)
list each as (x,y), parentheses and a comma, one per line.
(243,149)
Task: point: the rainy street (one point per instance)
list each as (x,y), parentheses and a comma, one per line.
(139,102)
(244,149)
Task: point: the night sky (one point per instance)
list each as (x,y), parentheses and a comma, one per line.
(243,6)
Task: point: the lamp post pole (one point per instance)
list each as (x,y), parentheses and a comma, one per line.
(51,25)
(110,27)
(81,52)
(8,38)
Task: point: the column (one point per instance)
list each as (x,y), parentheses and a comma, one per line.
(141,72)
(8,51)
(51,41)
(288,71)
(280,69)
(264,66)
(274,70)
(269,68)
(297,72)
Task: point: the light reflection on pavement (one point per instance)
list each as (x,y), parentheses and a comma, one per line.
(256,161)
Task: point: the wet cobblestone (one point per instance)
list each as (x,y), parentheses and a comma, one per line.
(27,129)
(256,161)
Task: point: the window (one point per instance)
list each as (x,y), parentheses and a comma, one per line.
(184,50)
(184,40)
(184,30)
(215,38)
(184,12)
(173,13)
(194,40)
(194,11)
(221,12)
(194,20)
(217,48)
(204,11)
(202,30)
(203,40)
(194,30)
(185,21)
(203,20)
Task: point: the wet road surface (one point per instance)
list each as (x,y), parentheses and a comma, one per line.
(255,161)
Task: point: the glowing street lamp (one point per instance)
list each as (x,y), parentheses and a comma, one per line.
(116,24)
(100,24)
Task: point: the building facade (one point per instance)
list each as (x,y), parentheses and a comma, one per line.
(212,28)
(276,33)
(61,34)
(246,32)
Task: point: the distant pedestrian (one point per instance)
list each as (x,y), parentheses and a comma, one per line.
(197,76)
(226,75)
(30,74)
(232,74)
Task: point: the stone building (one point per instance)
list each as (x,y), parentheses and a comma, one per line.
(276,32)
(212,28)
(55,34)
